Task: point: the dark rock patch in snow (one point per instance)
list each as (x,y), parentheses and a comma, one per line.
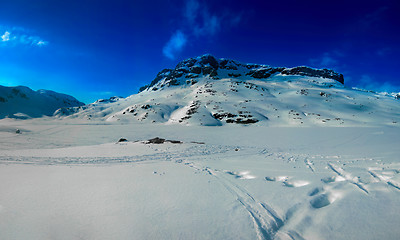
(158,140)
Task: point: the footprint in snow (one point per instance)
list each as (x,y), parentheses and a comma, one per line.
(333,179)
(277,179)
(296,183)
(323,199)
(287,182)
(315,191)
(241,175)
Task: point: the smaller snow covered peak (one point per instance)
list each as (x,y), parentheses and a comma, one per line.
(207,65)
(23,100)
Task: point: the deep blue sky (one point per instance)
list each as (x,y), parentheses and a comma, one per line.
(97,49)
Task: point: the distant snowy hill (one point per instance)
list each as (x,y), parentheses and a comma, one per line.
(214,92)
(23,102)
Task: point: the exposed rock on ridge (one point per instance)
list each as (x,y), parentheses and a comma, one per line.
(208,65)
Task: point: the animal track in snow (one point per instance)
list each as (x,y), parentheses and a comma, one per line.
(347,176)
(287,182)
(321,200)
(278,179)
(296,183)
(333,179)
(315,191)
(385,176)
(241,175)
(323,197)
(309,164)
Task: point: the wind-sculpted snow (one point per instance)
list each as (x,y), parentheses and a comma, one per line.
(94,156)
(232,182)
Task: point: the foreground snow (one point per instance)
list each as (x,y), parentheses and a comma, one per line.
(73,181)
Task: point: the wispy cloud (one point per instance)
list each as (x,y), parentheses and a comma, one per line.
(327,60)
(191,11)
(369,83)
(5,37)
(19,36)
(374,17)
(383,51)
(175,44)
(198,22)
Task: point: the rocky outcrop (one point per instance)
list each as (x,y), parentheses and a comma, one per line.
(158,140)
(263,72)
(208,66)
(110,100)
(311,72)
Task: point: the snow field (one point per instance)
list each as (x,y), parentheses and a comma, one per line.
(74,181)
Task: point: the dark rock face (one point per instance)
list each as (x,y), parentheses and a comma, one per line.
(191,68)
(195,69)
(209,60)
(235,75)
(263,72)
(164,73)
(186,63)
(208,65)
(229,64)
(306,71)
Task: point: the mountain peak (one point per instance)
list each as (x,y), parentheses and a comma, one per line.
(23,100)
(207,65)
(212,92)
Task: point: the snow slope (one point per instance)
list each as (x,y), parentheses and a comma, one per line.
(211,92)
(24,102)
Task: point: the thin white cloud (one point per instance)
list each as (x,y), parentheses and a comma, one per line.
(175,44)
(5,37)
(19,36)
(42,43)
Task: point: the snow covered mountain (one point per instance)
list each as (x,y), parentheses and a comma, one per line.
(23,102)
(99,171)
(213,92)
